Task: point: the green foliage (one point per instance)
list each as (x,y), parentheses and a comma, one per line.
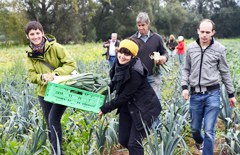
(8,56)
(232,134)
(12,23)
(77,124)
(169,139)
(230,18)
(21,120)
(110,18)
(170,19)
(100,131)
(77,21)
(70,21)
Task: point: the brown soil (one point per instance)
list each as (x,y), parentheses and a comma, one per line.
(194,151)
(119,150)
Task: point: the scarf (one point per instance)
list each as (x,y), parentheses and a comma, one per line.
(38,48)
(119,74)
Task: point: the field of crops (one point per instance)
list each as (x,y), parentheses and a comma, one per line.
(23,131)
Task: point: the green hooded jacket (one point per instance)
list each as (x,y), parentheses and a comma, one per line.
(55,55)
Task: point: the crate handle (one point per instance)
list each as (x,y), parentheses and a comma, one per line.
(76,92)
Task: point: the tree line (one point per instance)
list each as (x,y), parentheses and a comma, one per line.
(78,21)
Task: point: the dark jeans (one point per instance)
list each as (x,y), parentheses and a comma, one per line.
(204,108)
(52,115)
(129,136)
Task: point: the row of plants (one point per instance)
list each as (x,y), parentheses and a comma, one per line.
(23,131)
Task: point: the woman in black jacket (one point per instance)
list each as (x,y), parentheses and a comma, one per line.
(135,99)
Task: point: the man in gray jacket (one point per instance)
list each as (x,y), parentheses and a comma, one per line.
(205,67)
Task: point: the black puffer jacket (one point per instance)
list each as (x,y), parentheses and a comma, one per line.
(133,89)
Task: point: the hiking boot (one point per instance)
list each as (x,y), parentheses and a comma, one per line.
(199,147)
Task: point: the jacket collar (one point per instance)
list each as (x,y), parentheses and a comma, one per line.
(148,34)
(198,42)
(138,35)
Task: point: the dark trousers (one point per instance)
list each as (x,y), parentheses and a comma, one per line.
(129,136)
(52,115)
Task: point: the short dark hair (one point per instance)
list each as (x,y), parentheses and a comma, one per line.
(125,51)
(207,20)
(33,25)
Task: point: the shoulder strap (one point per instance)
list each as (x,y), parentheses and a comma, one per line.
(48,65)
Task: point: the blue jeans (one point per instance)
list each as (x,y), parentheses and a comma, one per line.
(180,56)
(111,60)
(205,107)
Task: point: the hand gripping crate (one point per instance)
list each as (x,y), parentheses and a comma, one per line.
(73,97)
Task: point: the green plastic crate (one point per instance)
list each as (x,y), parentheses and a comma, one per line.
(73,97)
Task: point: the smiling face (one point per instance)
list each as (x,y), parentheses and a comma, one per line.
(205,33)
(124,56)
(35,36)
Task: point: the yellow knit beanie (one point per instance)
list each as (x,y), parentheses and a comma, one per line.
(130,45)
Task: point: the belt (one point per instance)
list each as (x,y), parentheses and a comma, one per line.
(208,88)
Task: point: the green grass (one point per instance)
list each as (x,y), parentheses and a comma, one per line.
(85,52)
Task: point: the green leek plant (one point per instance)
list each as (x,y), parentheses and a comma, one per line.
(111,135)
(38,139)
(169,139)
(232,135)
(226,111)
(100,129)
(230,118)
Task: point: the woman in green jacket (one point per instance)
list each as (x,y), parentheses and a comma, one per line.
(45,49)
